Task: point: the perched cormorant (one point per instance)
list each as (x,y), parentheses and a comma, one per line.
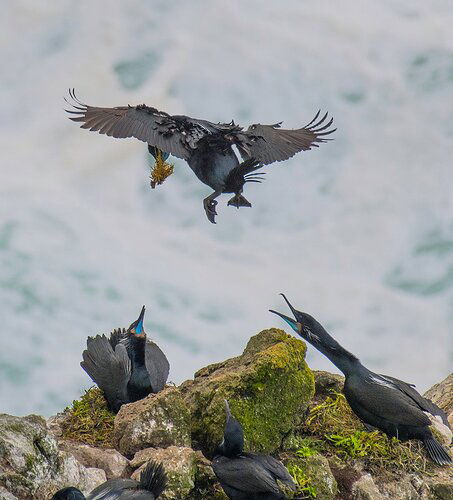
(247,476)
(70,493)
(128,366)
(207,147)
(152,483)
(380,401)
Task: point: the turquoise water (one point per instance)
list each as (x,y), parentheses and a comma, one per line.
(359,233)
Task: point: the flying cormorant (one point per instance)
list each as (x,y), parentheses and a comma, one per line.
(128,366)
(247,476)
(152,483)
(207,147)
(383,402)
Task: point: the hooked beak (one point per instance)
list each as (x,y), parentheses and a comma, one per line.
(227,409)
(139,327)
(293,323)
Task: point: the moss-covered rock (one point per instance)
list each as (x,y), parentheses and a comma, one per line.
(32,466)
(180,464)
(88,420)
(159,420)
(268,388)
(206,483)
(312,474)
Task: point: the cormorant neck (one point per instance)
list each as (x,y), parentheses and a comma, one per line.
(233,439)
(340,357)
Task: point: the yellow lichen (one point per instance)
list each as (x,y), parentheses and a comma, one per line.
(161,169)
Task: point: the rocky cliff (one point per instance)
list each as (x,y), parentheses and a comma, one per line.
(285,408)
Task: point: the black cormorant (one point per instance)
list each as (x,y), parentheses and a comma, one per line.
(70,493)
(247,476)
(207,147)
(383,402)
(128,366)
(151,485)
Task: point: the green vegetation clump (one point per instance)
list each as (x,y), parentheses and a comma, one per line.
(89,420)
(343,435)
(305,488)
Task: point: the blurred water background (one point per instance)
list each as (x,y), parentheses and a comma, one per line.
(358,233)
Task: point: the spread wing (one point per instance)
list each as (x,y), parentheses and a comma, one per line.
(245,474)
(118,335)
(269,143)
(157,366)
(109,369)
(177,135)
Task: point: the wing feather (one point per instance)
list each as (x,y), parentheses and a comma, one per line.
(245,475)
(157,366)
(177,135)
(109,369)
(269,143)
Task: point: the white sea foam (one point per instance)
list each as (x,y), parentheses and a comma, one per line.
(357,233)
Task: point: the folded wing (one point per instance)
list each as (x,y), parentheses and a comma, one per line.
(157,366)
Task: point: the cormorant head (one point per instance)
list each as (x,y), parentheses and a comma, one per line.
(233,436)
(137,327)
(69,494)
(303,324)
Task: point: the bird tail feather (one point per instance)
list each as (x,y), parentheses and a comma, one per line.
(239,201)
(109,369)
(153,478)
(437,452)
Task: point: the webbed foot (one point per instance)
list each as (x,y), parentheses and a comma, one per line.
(209,207)
(239,201)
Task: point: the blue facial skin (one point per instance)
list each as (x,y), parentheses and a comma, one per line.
(139,327)
(292,324)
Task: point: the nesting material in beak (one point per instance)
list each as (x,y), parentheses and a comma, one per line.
(161,170)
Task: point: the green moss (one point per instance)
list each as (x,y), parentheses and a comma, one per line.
(304,483)
(268,389)
(89,420)
(343,435)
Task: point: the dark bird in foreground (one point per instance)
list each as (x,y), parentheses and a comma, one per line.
(380,401)
(207,147)
(128,366)
(247,476)
(152,483)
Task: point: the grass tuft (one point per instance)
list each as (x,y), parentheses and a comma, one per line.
(89,420)
(343,435)
(304,487)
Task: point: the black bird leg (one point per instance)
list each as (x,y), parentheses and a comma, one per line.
(209,204)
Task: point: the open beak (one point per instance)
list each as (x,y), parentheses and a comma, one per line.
(293,323)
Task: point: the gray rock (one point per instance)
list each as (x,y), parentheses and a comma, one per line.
(365,489)
(316,470)
(442,395)
(159,420)
(32,466)
(180,465)
(107,459)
